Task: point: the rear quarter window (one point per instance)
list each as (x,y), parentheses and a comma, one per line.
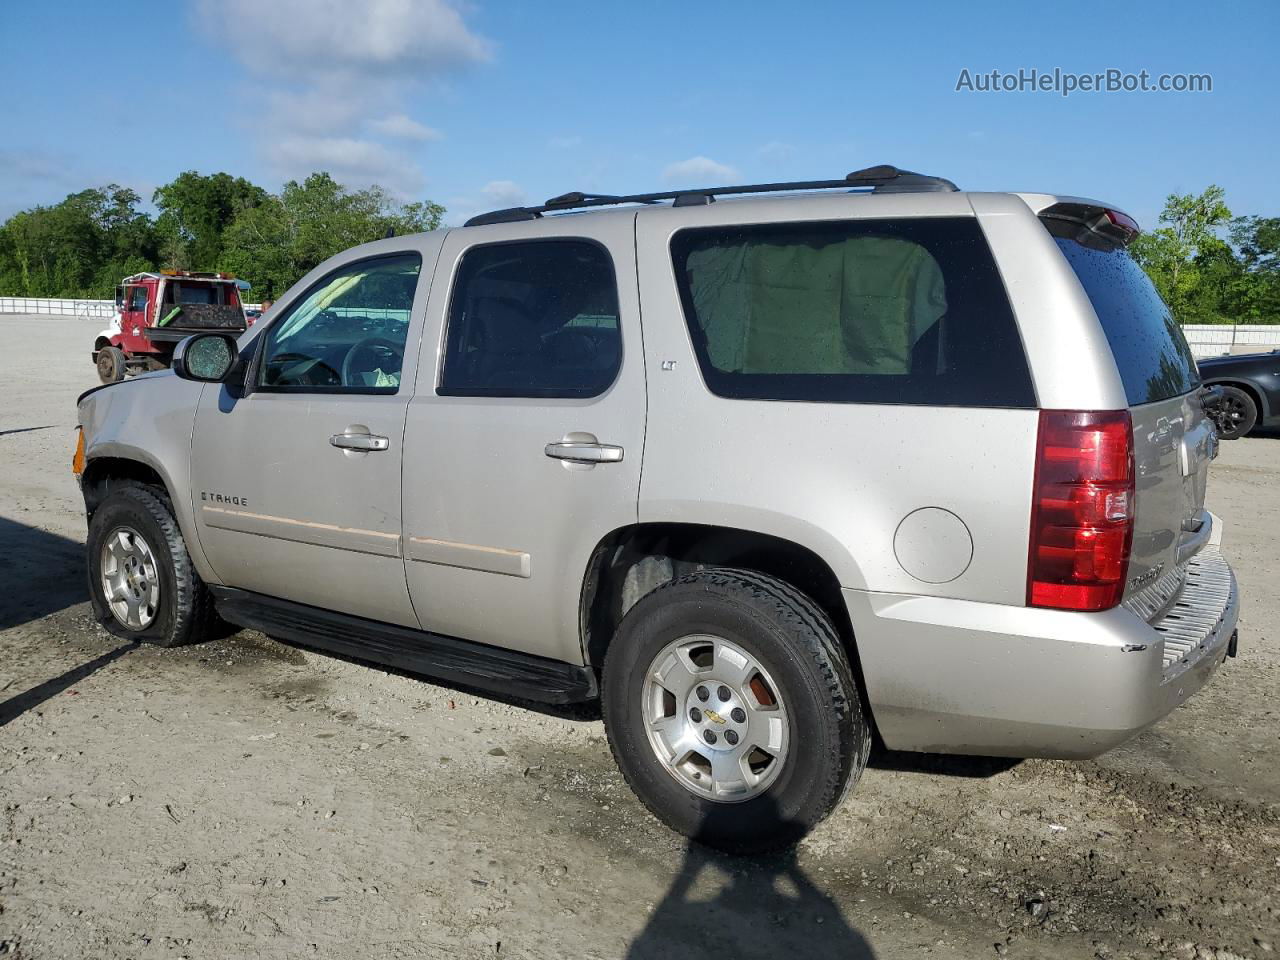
(1150,351)
(862,311)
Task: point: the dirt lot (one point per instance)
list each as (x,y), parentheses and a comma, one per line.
(251,799)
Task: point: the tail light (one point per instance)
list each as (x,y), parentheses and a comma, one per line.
(1081,510)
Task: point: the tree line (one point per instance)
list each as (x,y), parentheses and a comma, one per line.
(1209,266)
(84,246)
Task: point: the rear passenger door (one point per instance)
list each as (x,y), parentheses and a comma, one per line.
(525,433)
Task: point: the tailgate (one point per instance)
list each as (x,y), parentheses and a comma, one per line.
(198,317)
(1173,439)
(1173,443)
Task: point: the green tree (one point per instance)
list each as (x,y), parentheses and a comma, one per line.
(195,209)
(1170,253)
(276,243)
(1256,296)
(76,248)
(84,245)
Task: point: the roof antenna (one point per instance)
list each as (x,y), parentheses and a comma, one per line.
(391,232)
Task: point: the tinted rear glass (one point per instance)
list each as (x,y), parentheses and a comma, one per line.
(533,319)
(1151,353)
(869,311)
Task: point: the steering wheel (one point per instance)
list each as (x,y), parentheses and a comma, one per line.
(378,346)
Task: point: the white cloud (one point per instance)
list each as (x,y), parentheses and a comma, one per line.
(777,150)
(325,109)
(350,160)
(404,127)
(316,37)
(505,193)
(699,171)
(494,195)
(564,143)
(334,76)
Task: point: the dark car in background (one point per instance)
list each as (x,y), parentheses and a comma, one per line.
(1251,391)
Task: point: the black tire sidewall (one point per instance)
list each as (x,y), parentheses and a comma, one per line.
(117,364)
(122,510)
(802,793)
(1250,421)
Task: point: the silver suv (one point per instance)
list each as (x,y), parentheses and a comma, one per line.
(767,476)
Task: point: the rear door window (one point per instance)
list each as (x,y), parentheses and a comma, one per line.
(860,311)
(533,319)
(1151,353)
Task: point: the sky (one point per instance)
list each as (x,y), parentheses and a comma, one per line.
(479,104)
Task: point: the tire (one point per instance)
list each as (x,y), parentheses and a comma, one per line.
(174,607)
(792,642)
(1241,413)
(111,365)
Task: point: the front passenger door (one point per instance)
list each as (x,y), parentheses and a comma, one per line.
(297,484)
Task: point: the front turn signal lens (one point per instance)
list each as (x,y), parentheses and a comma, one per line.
(77,458)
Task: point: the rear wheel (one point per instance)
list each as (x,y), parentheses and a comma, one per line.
(111,364)
(732,711)
(1240,413)
(142,583)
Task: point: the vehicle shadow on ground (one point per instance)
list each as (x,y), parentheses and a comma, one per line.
(939,764)
(5,433)
(15,707)
(724,906)
(42,573)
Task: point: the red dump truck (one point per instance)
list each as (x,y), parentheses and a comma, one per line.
(156,310)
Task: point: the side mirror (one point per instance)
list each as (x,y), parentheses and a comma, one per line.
(206,357)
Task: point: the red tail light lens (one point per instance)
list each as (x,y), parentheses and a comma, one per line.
(1081,510)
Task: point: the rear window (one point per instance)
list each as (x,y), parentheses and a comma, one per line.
(1151,353)
(864,311)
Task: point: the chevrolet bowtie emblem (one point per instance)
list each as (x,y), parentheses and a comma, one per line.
(713,716)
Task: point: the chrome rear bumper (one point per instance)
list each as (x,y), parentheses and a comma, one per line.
(1193,624)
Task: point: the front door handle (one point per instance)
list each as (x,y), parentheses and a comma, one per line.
(581,451)
(364,442)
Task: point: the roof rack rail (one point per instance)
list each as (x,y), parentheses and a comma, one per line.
(883,178)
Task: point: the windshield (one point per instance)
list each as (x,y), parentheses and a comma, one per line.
(1151,353)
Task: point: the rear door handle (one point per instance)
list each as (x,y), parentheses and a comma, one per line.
(579,451)
(366,442)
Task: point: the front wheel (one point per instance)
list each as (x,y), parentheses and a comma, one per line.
(732,710)
(111,364)
(142,584)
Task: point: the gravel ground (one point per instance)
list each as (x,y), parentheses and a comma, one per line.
(251,799)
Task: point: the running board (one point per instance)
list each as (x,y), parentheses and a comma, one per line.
(417,651)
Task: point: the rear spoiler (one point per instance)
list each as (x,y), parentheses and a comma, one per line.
(1089,223)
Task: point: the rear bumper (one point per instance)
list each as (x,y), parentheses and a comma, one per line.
(953,676)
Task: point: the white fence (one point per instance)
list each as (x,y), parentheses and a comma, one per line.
(94,309)
(1211,340)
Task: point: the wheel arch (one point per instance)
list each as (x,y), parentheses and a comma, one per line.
(630,562)
(102,472)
